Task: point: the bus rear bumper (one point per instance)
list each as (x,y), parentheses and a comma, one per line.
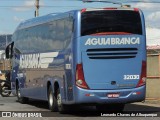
(101,96)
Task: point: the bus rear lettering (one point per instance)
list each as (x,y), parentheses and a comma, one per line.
(113,41)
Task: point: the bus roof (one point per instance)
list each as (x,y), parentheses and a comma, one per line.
(42,19)
(49,17)
(109,8)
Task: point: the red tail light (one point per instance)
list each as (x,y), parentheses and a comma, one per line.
(142,80)
(136,9)
(80,81)
(83,10)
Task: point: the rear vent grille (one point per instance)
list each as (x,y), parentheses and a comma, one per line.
(112,53)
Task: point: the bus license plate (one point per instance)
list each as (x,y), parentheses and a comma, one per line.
(113,95)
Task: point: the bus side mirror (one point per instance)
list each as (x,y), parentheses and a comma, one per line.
(9,51)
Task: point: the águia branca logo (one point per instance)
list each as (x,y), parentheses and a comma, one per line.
(113,41)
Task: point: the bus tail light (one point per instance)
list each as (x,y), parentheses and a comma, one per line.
(83,10)
(142,80)
(136,9)
(80,81)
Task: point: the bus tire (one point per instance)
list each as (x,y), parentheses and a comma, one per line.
(110,107)
(52,102)
(61,107)
(21,99)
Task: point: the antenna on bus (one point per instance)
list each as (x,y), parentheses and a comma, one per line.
(107,1)
(123,1)
(104,1)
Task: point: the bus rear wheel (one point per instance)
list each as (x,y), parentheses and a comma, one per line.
(52,100)
(61,107)
(21,99)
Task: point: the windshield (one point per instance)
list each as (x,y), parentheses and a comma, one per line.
(110,22)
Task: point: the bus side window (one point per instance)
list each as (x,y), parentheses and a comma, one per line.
(68,31)
(71,21)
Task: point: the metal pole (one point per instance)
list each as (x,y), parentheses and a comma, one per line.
(37,8)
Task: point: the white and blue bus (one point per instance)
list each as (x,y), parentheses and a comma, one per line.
(82,57)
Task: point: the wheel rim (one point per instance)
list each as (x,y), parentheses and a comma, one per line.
(59,102)
(50,99)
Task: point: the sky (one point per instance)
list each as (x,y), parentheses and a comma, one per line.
(12,12)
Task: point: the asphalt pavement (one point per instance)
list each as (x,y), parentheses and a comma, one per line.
(10,104)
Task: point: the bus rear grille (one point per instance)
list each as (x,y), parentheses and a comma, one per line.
(112,53)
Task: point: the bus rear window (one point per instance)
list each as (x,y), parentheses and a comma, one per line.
(111,22)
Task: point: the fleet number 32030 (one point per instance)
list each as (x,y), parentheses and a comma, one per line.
(130,77)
